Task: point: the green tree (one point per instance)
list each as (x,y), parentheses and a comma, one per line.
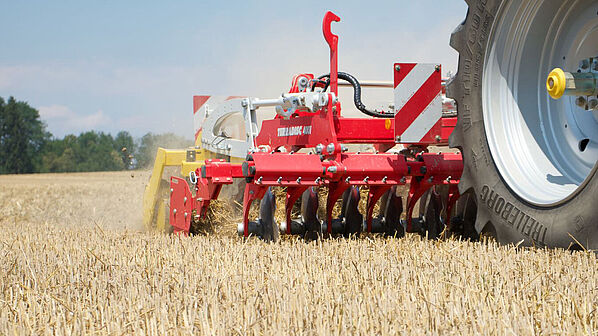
(90,151)
(96,152)
(22,137)
(26,146)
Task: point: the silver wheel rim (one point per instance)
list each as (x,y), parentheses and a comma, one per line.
(534,140)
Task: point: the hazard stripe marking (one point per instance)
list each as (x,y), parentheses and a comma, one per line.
(418,101)
(425,121)
(406,88)
(405,69)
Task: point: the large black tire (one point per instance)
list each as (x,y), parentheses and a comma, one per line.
(500,211)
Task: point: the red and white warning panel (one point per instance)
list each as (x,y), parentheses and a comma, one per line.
(418,103)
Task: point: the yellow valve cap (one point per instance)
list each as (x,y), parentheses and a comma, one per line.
(556,83)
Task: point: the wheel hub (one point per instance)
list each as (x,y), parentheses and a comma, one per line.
(544,149)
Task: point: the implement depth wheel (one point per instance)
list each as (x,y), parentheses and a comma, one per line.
(530,160)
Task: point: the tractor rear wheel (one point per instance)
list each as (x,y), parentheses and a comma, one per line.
(530,161)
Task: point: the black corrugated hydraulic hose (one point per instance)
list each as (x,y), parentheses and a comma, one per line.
(356,94)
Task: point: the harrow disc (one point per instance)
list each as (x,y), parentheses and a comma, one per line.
(268,224)
(353,219)
(432,224)
(309,213)
(393,207)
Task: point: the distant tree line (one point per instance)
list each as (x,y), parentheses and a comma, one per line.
(27,147)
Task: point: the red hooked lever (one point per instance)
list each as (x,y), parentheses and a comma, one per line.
(333,43)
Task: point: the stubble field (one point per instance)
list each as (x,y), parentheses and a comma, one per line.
(74,259)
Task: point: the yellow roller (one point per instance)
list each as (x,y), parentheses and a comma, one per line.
(155,199)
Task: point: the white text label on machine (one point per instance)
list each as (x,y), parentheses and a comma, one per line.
(294,131)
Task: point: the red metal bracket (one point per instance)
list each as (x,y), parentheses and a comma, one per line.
(439,169)
(417,188)
(333,43)
(252,192)
(293,194)
(181,204)
(334,168)
(295,82)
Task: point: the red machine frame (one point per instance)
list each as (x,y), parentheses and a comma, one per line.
(333,167)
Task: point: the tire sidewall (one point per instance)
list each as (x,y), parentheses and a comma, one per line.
(500,209)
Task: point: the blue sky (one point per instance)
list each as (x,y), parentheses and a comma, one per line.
(135,65)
